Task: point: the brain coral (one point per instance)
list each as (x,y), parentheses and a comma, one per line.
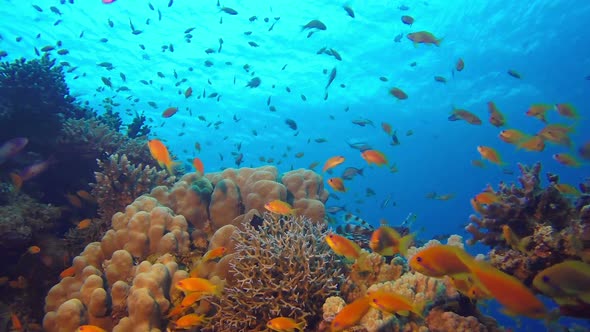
(283,268)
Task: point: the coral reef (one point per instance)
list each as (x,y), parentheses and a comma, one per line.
(548,225)
(445,306)
(283,268)
(109,288)
(22,219)
(119,182)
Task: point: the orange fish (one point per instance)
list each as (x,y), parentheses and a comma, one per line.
(16,323)
(512,136)
(285,324)
(69,272)
(567,189)
(557,133)
(459,114)
(386,241)
(394,303)
(513,240)
(198,164)
(186,322)
(460,65)
(487,198)
(496,117)
(161,155)
(466,285)
(477,207)
(478,163)
(440,260)
(188,92)
(189,300)
(567,110)
(398,93)
(198,285)
(343,246)
(34,250)
(74,200)
(333,162)
(280,207)
(90,328)
(534,143)
(386,127)
(516,298)
(84,223)
(566,159)
(490,154)
(423,37)
(337,184)
(351,314)
(374,157)
(539,111)
(170,111)
(214,254)
(584,150)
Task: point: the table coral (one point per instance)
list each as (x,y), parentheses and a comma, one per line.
(282,269)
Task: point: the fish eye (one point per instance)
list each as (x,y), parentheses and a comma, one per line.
(419,259)
(546,279)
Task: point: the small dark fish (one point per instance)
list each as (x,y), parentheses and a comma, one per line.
(285,66)
(331,77)
(440,79)
(394,139)
(56,23)
(336,54)
(159,15)
(123,77)
(170,3)
(288,89)
(81,34)
(403,7)
(314,24)
(291,123)
(310,34)
(189,30)
(514,73)
(63,51)
(253,44)
(334,209)
(36,51)
(111,24)
(103,40)
(208,63)
(350,172)
(229,11)
(273,24)
(268,101)
(107,82)
(409,20)
(209,51)
(383,79)
(398,38)
(303,97)
(37,8)
(220,45)
(151,6)
(55,10)
(348,10)
(252,18)
(254,82)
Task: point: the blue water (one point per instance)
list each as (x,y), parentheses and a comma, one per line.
(545,41)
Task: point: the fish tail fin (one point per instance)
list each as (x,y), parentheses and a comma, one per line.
(171,166)
(17,181)
(301,325)
(405,243)
(438,41)
(418,308)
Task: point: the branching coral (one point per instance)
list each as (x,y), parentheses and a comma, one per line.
(283,268)
(119,182)
(547,224)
